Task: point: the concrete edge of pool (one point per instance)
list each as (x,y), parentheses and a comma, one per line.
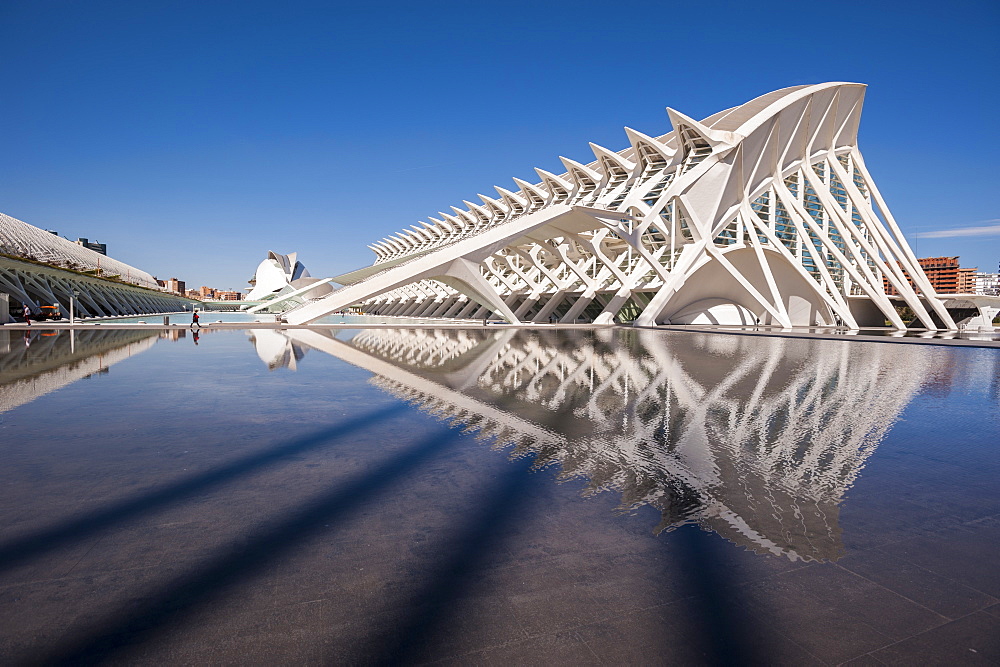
(842,335)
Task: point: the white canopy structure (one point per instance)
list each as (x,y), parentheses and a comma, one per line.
(20,239)
(283,279)
(762,213)
(40,268)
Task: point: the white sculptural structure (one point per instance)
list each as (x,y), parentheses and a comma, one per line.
(762,213)
(283,278)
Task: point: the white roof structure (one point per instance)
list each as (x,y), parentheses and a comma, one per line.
(283,278)
(20,239)
(762,213)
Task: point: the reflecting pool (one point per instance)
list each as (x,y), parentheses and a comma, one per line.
(487,495)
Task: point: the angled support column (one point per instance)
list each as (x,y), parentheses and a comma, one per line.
(464,276)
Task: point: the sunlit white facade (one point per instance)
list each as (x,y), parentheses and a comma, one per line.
(38,268)
(762,213)
(283,281)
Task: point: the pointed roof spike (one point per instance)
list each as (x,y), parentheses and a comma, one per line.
(431,228)
(574,166)
(712,137)
(422,234)
(493,205)
(477,210)
(524,184)
(454,224)
(549,177)
(527,187)
(602,154)
(465,218)
(642,141)
(437,227)
(447,225)
(507,194)
(636,137)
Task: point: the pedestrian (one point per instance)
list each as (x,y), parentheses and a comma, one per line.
(27,315)
(194,320)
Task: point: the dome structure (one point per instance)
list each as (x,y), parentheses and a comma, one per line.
(279,275)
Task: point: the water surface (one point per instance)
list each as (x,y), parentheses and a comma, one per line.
(494,495)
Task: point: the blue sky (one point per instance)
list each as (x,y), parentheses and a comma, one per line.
(193,137)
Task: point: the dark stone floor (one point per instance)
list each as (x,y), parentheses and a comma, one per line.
(371,533)
(366,562)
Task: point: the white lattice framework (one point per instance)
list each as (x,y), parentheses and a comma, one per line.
(763,213)
(71,273)
(20,239)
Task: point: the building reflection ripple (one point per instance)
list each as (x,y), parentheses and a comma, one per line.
(757,439)
(34,363)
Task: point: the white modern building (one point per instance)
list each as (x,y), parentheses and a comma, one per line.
(282,281)
(987,283)
(39,268)
(762,213)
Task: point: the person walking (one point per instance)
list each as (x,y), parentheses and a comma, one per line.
(27,315)
(194,320)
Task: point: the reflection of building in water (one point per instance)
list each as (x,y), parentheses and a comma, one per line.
(975,367)
(275,349)
(173,334)
(757,439)
(34,364)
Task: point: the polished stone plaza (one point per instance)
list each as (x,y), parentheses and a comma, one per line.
(495,496)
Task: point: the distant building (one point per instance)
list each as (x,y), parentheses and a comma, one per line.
(92,245)
(175,286)
(942,272)
(207,292)
(224,295)
(987,283)
(967,280)
(173,334)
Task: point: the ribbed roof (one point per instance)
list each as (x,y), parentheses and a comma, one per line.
(730,120)
(20,239)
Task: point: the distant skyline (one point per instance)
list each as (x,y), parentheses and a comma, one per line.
(193,137)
